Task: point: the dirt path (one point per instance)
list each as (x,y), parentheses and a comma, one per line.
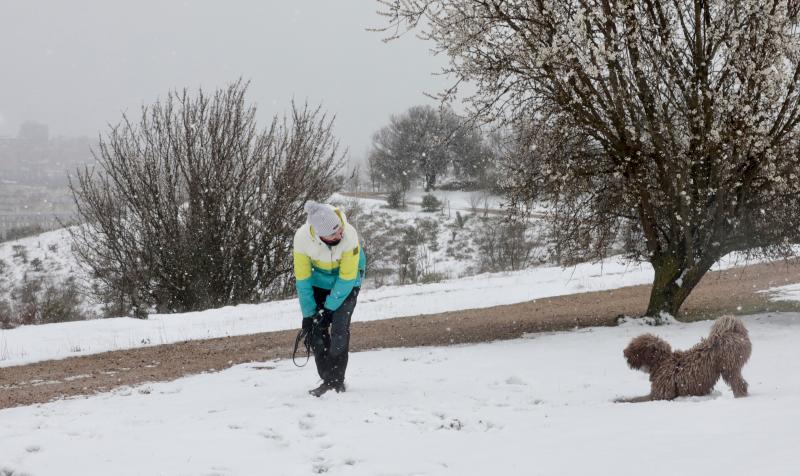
(732,290)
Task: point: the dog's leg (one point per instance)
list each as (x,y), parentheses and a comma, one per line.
(643,398)
(733,377)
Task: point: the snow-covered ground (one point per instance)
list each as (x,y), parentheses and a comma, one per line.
(35,343)
(51,249)
(477,200)
(458,200)
(540,405)
(790,292)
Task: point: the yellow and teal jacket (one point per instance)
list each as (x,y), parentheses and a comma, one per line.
(317,264)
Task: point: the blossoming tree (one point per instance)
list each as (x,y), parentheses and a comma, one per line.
(672,124)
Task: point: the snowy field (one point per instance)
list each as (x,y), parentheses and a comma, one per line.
(28,344)
(540,405)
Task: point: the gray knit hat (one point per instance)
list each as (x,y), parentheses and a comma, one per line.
(322,218)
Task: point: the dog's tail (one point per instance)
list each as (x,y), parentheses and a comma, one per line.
(727,325)
(730,336)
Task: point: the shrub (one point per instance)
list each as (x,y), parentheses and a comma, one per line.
(40,302)
(60,303)
(461,185)
(379,236)
(6,316)
(504,246)
(428,231)
(461,220)
(37,265)
(407,258)
(430,203)
(27,305)
(396,199)
(20,253)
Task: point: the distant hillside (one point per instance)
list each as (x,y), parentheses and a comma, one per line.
(40,280)
(36,271)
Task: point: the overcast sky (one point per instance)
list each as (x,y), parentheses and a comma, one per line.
(77,65)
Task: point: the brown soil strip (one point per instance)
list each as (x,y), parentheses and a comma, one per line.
(732,290)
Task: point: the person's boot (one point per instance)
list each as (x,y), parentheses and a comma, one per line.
(322,389)
(338,387)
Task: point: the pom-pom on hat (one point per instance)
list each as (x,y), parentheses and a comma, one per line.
(322,218)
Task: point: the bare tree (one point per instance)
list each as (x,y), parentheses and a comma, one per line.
(195,207)
(683,115)
(425,142)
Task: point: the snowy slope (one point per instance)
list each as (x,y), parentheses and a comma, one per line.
(48,254)
(34,343)
(534,406)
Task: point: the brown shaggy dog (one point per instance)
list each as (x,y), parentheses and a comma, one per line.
(694,371)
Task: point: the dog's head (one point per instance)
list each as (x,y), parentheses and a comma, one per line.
(644,352)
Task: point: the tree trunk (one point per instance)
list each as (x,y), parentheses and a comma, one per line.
(672,284)
(430,182)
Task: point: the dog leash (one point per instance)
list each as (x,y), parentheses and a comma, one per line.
(305,336)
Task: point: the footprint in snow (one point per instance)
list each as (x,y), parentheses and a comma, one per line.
(451,424)
(448,423)
(273,435)
(6,471)
(488,425)
(305,425)
(320,468)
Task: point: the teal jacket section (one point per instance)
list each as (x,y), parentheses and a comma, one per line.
(328,279)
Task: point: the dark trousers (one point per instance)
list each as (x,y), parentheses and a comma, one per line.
(331,344)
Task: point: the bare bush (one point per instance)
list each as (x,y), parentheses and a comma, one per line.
(194,207)
(26,304)
(504,245)
(60,303)
(6,316)
(19,253)
(40,301)
(479,203)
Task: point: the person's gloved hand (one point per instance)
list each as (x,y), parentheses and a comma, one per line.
(324,317)
(308,322)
